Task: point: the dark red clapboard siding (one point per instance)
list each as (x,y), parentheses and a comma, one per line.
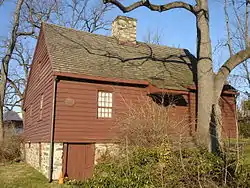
(79,123)
(40,82)
(227,104)
(228,116)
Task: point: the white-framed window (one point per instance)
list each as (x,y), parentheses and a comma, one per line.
(105,104)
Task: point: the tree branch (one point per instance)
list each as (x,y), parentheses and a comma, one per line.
(233,61)
(153,7)
(26,33)
(229,39)
(1,2)
(15,104)
(246,24)
(18,92)
(228,66)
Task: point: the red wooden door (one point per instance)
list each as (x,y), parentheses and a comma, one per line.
(79,161)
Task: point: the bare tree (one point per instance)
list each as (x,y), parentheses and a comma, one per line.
(31,16)
(79,14)
(18,75)
(5,62)
(238,39)
(153,37)
(209,84)
(28,16)
(83,15)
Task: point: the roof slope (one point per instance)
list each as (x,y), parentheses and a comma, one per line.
(80,52)
(11,116)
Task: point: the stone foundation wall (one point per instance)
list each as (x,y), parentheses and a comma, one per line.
(103,149)
(37,155)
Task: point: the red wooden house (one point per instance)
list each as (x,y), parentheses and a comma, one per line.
(78,84)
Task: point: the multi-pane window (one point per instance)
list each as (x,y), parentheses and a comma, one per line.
(104,109)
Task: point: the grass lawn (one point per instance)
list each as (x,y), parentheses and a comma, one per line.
(23,176)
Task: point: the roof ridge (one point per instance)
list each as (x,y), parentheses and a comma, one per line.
(80,52)
(110,37)
(70,28)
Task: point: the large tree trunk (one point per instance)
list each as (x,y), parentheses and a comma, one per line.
(1,126)
(205,76)
(5,63)
(216,128)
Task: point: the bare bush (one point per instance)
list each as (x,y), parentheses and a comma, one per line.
(10,146)
(146,123)
(148,158)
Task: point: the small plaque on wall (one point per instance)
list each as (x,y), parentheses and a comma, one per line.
(69,101)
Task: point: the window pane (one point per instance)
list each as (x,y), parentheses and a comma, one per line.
(104,104)
(110,115)
(104,99)
(99,103)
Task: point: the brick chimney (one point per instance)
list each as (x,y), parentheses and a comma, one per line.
(124,30)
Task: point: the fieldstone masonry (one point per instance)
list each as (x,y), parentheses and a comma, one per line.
(37,155)
(124,29)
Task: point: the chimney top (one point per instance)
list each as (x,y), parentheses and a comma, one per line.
(124,18)
(124,29)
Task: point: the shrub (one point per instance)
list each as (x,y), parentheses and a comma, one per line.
(244,129)
(141,167)
(148,158)
(146,123)
(10,147)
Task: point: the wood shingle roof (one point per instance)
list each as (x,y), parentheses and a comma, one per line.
(79,52)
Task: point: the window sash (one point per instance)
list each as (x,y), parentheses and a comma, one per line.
(104,104)
(104,112)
